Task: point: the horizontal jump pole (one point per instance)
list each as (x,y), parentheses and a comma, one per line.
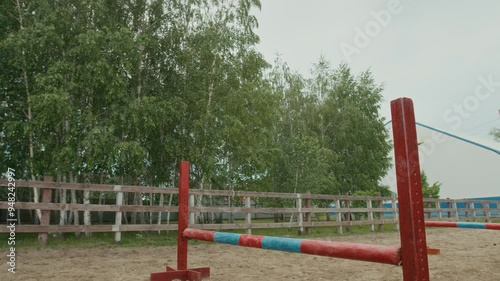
(476,225)
(352,251)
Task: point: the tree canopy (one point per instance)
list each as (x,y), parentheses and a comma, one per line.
(428,190)
(496,134)
(121,91)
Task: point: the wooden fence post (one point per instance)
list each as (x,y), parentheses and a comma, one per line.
(439,213)
(308,214)
(448,206)
(248,219)
(347,205)
(45,219)
(380,216)
(467,207)
(300,217)
(455,207)
(497,209)
(473,211)
(395,214)
(338,216)
(487,213)
(429,213)
(191,205)
(118,216)
(370,214)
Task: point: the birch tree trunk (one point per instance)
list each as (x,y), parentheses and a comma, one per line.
(36,191)
(76,216)
(125,202)
(86,214)
(159,213)
(169,204)
(142,215)
(74,200)
(102,200)
(199,215)
(62,200)
(151,205)
(135,201)
(231,199)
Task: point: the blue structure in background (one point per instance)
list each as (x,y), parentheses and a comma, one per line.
(460,205)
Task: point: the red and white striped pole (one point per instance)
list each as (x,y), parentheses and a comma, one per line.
(344,250)
(460,224)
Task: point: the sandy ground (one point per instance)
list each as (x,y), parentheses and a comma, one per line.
(465,255)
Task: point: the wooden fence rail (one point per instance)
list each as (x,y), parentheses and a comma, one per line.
(346,210)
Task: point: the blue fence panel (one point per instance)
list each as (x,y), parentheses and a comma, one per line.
(444,205)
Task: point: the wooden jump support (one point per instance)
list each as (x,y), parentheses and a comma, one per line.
(476,225)
(412,254)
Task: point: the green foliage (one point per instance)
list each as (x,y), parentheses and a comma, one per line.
(429,191)
(381,191)
(496,134)
(121,91)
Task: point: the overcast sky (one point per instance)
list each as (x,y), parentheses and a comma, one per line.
(445,55)
(432,51)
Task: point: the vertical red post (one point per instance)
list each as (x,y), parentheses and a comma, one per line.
(411,215)
(182,221)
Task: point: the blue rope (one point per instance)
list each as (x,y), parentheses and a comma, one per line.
(455,136)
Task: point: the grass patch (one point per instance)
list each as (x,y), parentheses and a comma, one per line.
(104,239)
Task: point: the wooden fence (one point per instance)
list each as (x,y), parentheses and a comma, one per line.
(302,211)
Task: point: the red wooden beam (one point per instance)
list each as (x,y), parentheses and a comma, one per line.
(411,215)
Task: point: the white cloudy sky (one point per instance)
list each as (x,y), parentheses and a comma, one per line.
(435,52)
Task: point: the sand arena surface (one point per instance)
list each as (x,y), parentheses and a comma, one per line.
(466,254)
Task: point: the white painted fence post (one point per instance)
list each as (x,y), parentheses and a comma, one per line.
(395,214)
(455,206)
(370,215)
(487,212)
(191,205)
(248,220)
(438,207)
(300,216)
(118,215)
(339,216)
(473,211)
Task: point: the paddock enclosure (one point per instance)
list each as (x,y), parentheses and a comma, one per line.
(411,255)
(469,253)
(466,254)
